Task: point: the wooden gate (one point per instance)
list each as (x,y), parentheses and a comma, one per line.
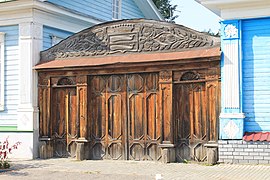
(64,130)
(196,109)
(124,122)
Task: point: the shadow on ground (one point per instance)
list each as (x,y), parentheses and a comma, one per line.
(16,167)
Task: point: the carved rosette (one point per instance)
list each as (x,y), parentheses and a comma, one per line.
(231,31)
(165,76)
(81,80)
(129,36)
(43,80)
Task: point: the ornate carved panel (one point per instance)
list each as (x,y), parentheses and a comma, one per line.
(196,109)
(65,81)
(189,76)
(64,121)
(129,36)
(62,81)
(125,121)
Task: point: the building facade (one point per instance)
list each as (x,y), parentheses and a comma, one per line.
(245,118)
(30,26)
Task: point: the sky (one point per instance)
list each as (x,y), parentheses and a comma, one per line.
(195,16)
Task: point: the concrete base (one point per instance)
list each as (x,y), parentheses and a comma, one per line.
(80,149)
(45,149)
(167,152)
(212,153)
(80,152)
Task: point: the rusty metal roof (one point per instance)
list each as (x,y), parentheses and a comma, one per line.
(129,58)
(256,136)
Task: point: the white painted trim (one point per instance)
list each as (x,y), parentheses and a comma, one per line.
(2,73)
(30,45)
(246,12)
(15,6)
(232,115)
(55,39)
(119,9)
(231,75)
(56,10)
(149,9)
(238,9)
(154,8)
(60,22)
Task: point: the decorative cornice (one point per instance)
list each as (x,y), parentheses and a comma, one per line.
(129,36)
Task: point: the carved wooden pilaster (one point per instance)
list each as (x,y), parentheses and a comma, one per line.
(213,103)
(166,87)
(82,105)
(44,94)
(45,129)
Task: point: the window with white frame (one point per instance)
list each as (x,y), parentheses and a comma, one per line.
(116,9)
(2,70)
(56,39)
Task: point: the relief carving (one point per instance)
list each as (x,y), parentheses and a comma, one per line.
(43,80)
(65,81)
(81,80)
(165,75)
(129,36)
(189,76)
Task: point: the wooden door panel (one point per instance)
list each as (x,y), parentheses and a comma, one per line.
(153,127)
(114,117)
(197,104)
(183,112)
(144,121)
(71,113)
(198,138)
(97,125)
(124,113)
(136,112)
(59,124)
(114,127)
(107,117)
(136,125)
(195,122)
(153,123)
(136,117)
(213,101)
(64,123)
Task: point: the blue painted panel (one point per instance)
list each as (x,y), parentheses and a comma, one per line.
(130,10)
(100,9)
(231,128)
(48,32)
(9,116)
(256,74)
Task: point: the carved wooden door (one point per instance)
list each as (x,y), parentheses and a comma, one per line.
(144,124)
(124,117)
(107,117)
(195,111)
(64,125)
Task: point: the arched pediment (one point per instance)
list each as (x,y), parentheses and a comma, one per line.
(129,36)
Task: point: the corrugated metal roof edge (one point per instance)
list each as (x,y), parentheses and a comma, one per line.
(256,136)
(129,58)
